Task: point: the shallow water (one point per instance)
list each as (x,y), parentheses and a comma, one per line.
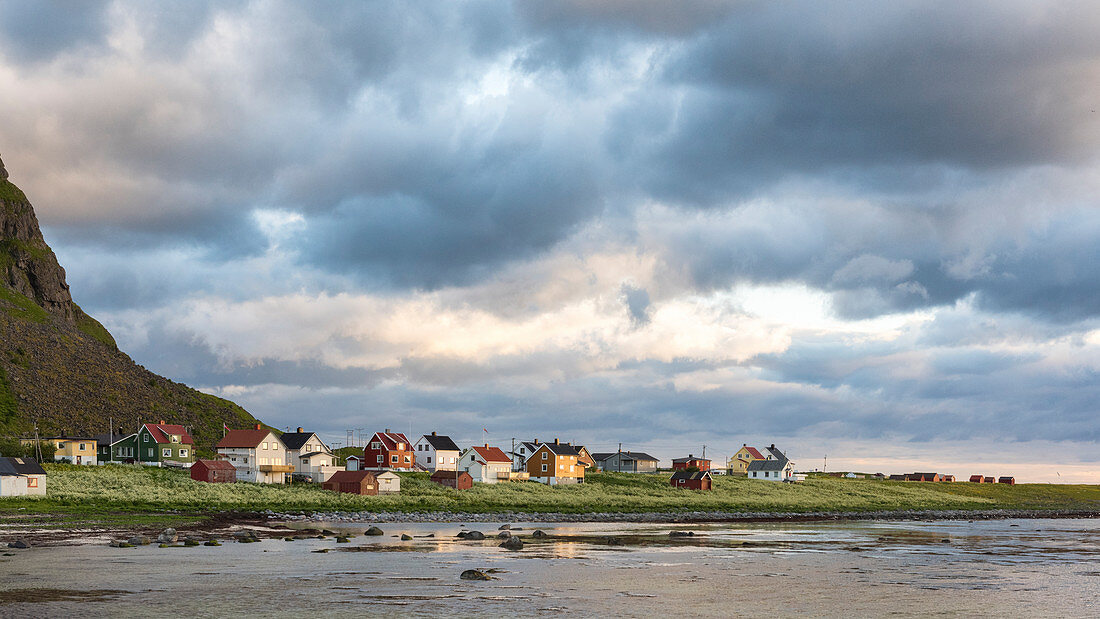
(1007,568)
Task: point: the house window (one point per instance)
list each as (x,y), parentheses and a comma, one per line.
(393,459)
(59,445)
(429,459)
(380,460)
(544,467)
(407,459)
(32,482)
(401,447)
(265,446)
(175,438)
(146,439)
(374,445)
(83,447)
(183,453)
(167,453)
(571,468)
(152,452)
(544,455)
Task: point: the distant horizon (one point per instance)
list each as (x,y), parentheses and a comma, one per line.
(869,231)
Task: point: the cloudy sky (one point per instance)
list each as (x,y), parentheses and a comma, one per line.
(860,230)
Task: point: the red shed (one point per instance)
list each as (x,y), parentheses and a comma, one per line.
(693,480)
(459,480)
(989,480)
(680,464)
(977,479)
(1007,480)
(353,482)
(214,471)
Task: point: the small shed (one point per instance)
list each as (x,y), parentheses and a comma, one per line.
(21,477)
(352,482)
(989,480)
(692,480)
(353,463)
(1007,480)
(948,478)
(977,479)
(214,471)
(459,480)
(389,483)
(922,477)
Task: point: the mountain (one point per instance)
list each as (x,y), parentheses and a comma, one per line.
(61,368)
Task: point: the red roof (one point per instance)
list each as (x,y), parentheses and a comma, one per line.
(219,465)
(161,432)
(491,454)
(346,477)
(248,439)
(754,453)
(390,440)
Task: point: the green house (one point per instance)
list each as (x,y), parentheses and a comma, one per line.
(161,443)
(117,448)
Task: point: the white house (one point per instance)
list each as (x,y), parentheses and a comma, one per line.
(522,452)
(487,465)
(435,452)
(258,454)
(309,455)
(388,482)
(771,470)
(21,477)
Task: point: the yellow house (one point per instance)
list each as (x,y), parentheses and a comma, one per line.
(555,463)
(739,463)
(74,449)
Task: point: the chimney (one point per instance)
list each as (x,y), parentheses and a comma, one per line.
(772,447)
(299,429)
(433,432)
(555,441)
(486,445)
(162,422)
(258,427)
(387,430)
(536,441)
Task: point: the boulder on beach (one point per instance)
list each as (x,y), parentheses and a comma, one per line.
(474,575)
(504,534)
(504,527)
(19,543)
(512,543)
(139,540)
(681,534)
(539,533)
(212,542)
(168,536)
(475,535)
(374,531)
(405,537)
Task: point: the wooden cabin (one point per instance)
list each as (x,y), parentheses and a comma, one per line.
(352,482)
(692,480)
(977,479)
(1007,480)
(459,480)
(214,471)
(989,480)
(691,462)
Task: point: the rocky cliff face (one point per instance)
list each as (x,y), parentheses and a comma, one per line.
(59,367)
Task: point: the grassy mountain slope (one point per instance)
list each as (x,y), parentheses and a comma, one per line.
(60,367)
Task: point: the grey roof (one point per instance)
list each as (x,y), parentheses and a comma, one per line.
(689,475)
(767,465)
(560,449)
(105,438)
(20,466)
(440,442)
(690,458)
(626,455)
(295,440)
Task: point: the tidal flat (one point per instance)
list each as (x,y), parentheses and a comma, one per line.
(1011,567)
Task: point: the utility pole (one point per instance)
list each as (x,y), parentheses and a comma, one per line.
(111,438)
(825,466)
(704,452)
(619,465)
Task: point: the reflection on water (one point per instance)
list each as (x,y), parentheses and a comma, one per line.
(1006,568)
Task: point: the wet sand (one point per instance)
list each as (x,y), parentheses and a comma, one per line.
(956,568)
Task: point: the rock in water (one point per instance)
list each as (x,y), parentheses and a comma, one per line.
(374,531)
(539,533)
(505,527)
(168,536)
(19,543)
(681,534)
(475,575)
(405,537)
(475,535)
(504,534)
(512,543)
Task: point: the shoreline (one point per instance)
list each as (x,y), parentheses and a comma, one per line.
(271,524)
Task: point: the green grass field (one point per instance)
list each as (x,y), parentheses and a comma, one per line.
(137,490)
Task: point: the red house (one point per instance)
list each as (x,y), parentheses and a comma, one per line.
(389,450)
(692,480)
(1007,480)
(977,479)
(214,471)
(459,480)
(923,477)
(680,464)
(352,482)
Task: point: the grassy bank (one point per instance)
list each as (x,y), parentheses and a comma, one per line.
(136,490)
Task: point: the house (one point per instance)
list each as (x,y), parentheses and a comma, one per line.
(522,452)
(459,480)
(435,452)
(74,449)
(555,463)
(625,462)
(738,464)
(353,463)
(1007,480)
(898,477)
(771,470)
(21,477)
(692,480)
(948,478)
(214,471)
(680,464)
(257,453)
(120,447)
(352,482)
(988,480)
(309,455)
(923,477)
(486,464)
(388,482)
(584,457)
(389,450)
(160,444)
(977,479)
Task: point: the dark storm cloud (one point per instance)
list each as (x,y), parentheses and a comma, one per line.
(37,31)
